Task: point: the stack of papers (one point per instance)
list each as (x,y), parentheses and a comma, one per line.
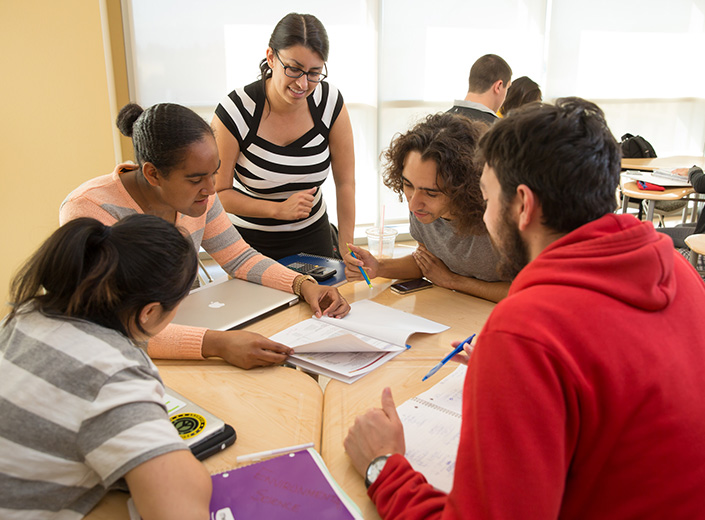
(346,349)
(662,177)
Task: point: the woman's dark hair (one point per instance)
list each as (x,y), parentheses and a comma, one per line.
(296,29)
(521,91)
(104,274)
(564,152)
(162,133)
(449,140)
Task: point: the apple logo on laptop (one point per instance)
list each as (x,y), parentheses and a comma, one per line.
(216,305)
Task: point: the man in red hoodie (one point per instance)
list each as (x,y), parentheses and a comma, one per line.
(585,393)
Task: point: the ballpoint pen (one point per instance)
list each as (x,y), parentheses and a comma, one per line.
(271,453)
(445,360)
(364,274)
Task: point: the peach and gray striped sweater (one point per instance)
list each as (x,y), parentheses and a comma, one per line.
(106,199)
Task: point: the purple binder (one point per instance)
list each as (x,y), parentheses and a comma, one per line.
(291,486)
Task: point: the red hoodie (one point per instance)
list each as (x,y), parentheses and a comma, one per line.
(585,394)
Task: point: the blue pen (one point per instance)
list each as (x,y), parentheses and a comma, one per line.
(364,274)
(445,360)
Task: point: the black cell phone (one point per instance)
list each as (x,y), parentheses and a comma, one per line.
(215,443)
(411,286)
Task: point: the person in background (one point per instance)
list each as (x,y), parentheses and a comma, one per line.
(680,232)
(177,160)
(522,91)
(278,139)
(490,77)
(583,396)
(82,405)
(434,166)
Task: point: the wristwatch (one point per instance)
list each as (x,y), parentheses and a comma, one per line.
(374,469)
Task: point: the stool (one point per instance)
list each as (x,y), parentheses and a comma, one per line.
(696,243)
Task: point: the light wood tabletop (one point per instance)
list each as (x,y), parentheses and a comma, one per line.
(269,408)
(677,161)
(342,402)
(275,407)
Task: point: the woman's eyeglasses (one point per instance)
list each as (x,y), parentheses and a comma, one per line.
(295,72)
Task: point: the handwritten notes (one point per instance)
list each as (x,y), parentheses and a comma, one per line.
(432,429)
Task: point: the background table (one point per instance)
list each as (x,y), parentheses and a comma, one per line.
(678,161)
(629,189)
(269,408)
(696,243)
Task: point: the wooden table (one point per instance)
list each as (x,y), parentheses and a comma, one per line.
(269,408)
(678,161)
(630,189)
(342,402)
(275,407)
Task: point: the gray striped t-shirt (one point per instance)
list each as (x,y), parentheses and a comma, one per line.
(80,407)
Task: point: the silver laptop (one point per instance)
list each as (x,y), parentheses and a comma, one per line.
(203,432)
(231,304)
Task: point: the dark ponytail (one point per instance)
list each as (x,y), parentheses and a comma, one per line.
(106,275)
(296,29)
(161,134)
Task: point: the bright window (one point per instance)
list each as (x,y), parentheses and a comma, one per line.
(397,60)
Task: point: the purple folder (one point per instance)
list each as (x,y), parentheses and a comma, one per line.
(293,486)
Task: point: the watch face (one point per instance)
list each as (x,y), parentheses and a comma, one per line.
(374,469)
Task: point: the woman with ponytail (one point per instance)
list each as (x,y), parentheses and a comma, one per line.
(177,160)
(279,137)
(82,405)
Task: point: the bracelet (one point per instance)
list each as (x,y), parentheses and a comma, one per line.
(299,281)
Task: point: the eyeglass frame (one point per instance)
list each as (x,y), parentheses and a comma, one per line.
(322,75)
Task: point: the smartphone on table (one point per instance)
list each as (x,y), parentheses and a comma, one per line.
(410,286)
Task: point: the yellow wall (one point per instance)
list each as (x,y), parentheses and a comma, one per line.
(56,127)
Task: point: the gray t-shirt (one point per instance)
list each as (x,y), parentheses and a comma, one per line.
(470,256)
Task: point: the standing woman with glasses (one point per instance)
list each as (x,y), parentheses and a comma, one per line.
(278,137)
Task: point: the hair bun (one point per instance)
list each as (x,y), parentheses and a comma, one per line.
(126,118)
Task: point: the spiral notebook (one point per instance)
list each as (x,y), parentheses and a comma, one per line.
(432,429)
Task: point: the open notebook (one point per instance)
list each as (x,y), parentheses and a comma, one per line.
(432,429)
(348,348)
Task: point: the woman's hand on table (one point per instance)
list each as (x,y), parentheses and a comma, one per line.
(244,349)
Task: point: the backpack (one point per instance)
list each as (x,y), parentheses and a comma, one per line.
(635,146)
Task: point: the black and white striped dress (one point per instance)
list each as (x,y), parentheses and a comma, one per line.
(267,171)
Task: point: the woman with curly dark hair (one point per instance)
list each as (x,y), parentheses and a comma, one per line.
(434,166)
